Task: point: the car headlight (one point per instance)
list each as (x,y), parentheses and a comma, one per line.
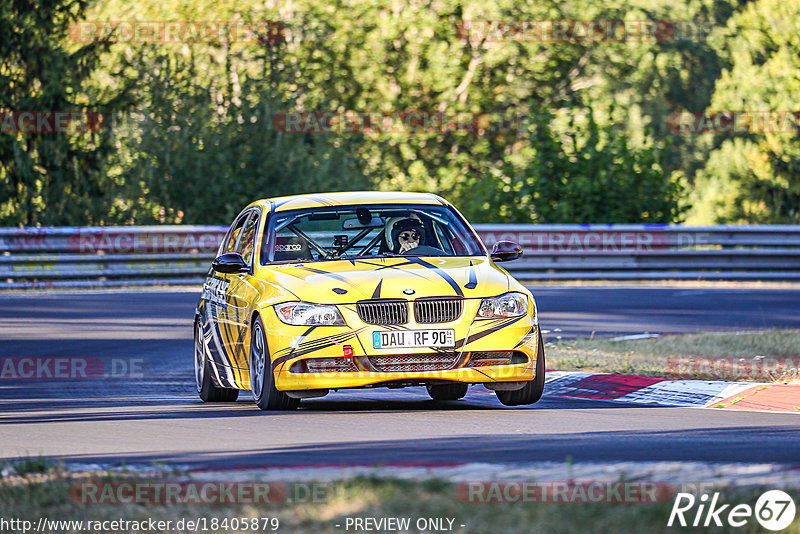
(508,305)
(307,314)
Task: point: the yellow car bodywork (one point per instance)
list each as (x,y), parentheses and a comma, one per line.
(226,319)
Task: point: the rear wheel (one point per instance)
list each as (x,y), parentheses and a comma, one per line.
(265,394)
(446,392)
(202,373)
(533,390)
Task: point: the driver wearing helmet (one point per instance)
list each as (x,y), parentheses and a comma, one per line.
(407,234)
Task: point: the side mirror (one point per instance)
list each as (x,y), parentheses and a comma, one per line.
(506,251)
(230,263)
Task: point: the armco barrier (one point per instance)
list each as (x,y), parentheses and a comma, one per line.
(630,252)
(146,255)
(106,256)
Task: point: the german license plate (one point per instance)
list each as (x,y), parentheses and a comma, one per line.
(397,339)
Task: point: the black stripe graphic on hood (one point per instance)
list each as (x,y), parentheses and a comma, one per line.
(473,279)
(395,266)
(377,293)
(326,273)
(440,272)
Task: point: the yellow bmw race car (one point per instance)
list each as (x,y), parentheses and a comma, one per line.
(360,290)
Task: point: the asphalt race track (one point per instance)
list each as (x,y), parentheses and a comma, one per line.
(147,409)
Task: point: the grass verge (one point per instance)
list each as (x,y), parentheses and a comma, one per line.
(35,496)
(766,356)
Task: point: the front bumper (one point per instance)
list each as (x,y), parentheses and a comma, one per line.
(314,358)
(494,354)
(286,380)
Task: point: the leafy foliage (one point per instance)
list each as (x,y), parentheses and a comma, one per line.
(759,172)
(586,174)
(567,131)
(49,178)
(197,155)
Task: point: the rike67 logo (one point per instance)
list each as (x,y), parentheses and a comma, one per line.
(774,510)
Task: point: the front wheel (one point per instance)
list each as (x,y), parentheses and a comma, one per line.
(265,394)
(202,373)
(533,390)
(447,392)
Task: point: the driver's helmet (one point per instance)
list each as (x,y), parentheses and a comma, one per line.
(407,230)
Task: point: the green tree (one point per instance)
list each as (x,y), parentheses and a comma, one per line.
(636,86)
(49,178)
(755,177)
(571,130)
(199,150)
(415,57)
(573,174)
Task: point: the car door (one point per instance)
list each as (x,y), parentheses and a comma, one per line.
(241,295)
(216,291)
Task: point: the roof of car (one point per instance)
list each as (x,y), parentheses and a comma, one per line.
(347,198)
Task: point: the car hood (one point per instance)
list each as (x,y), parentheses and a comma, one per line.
(348,281)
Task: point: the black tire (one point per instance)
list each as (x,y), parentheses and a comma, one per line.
(533,390)
(447,392)
(265,395)
(206,388)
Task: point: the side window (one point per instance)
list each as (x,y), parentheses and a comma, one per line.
(247,242)
(230,245)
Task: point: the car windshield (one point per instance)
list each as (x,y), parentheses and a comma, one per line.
(349,232)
